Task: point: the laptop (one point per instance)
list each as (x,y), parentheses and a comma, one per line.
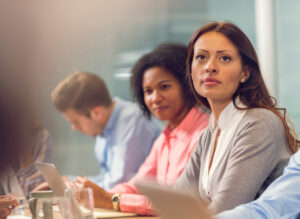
(58,187)
(171,204)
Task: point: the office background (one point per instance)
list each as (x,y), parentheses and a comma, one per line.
(44,41)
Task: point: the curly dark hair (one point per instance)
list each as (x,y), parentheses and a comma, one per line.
(169,56)
(253,93)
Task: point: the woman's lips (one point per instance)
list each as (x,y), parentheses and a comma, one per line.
(211,81)
(160,109)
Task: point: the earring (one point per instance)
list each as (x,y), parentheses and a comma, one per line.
(243,80)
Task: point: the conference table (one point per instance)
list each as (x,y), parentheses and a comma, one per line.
(105,213)
(139,217)
(27,213)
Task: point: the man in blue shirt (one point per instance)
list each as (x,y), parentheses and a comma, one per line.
(124,136)
(280,200)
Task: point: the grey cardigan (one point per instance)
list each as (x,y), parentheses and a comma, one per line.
(255,157)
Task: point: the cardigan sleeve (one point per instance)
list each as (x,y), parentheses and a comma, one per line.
(256,151)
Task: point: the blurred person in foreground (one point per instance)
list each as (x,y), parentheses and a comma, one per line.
(16,149)
(124,136)
(159,86)
(280,200)
(21,176)
(10,140)
(248,140)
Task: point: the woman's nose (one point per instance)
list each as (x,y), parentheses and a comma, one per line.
(156,97)
(211,66)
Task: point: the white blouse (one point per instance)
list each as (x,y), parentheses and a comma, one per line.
(228,122)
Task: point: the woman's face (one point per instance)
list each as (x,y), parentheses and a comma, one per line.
(217,67)
(163,95)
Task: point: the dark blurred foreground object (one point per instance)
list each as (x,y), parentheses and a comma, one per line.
(22,141)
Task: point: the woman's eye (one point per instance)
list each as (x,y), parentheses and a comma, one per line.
(225,58)
(200,57)
(148,91)
(165,86)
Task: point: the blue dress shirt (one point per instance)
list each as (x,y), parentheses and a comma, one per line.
(125,143)
(280,200)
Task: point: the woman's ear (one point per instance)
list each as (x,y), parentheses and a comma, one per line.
(245,74)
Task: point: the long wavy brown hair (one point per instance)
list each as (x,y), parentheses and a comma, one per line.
(253,93)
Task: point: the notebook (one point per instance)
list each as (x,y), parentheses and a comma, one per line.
(58,187)
(171,204)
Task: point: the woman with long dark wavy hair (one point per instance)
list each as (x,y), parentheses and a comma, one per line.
(249,139)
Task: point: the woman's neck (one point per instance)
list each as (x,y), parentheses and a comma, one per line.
(178,119)
(217,107)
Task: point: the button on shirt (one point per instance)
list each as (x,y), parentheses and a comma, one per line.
(166,161)
(280,200)
(125,143)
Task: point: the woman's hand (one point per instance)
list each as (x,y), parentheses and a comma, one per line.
(7,204)
(102,198)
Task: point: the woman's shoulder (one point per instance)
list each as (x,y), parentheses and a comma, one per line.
(259,121)
(263,116)
(159,140)
(201,111)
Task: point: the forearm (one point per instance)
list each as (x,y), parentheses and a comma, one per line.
(136,203)
(128,188)
(103,200)
(130,200)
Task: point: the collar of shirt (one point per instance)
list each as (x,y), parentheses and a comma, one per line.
(185,125)
(226,116)
(113,117)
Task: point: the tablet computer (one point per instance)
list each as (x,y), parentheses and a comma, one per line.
(53,178)
(171,204)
